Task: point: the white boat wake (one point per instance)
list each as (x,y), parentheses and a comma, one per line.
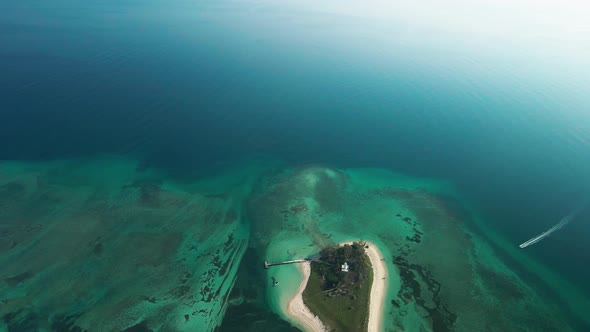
(548,232)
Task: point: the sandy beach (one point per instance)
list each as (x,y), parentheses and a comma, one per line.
(378,288)
(298,310)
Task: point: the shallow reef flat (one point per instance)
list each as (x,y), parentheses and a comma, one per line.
(444,273)
(105,243)
(108,242)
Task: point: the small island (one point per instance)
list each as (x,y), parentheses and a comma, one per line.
(339,287)
(342,289)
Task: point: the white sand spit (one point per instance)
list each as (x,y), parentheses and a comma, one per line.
(298,310)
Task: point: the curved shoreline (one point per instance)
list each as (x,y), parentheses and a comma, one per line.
(311,323)
(299,311)
(378,288)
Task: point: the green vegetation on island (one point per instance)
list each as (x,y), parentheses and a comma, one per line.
(339,287)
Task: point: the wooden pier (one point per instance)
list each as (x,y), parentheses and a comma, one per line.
(267,264)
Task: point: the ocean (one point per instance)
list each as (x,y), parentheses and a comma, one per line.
(208,106)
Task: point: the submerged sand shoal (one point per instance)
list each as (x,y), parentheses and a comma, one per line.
(301,313)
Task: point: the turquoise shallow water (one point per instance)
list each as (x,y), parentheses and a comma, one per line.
(485,102)
(124,247)
(465,283)
(99,243)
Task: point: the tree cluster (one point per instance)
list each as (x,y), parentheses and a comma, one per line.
(329,266)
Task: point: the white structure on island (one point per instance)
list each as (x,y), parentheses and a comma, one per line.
(345,267)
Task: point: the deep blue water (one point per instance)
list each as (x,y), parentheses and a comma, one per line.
(188,86)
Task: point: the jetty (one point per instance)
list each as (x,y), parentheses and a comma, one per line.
(267,264)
